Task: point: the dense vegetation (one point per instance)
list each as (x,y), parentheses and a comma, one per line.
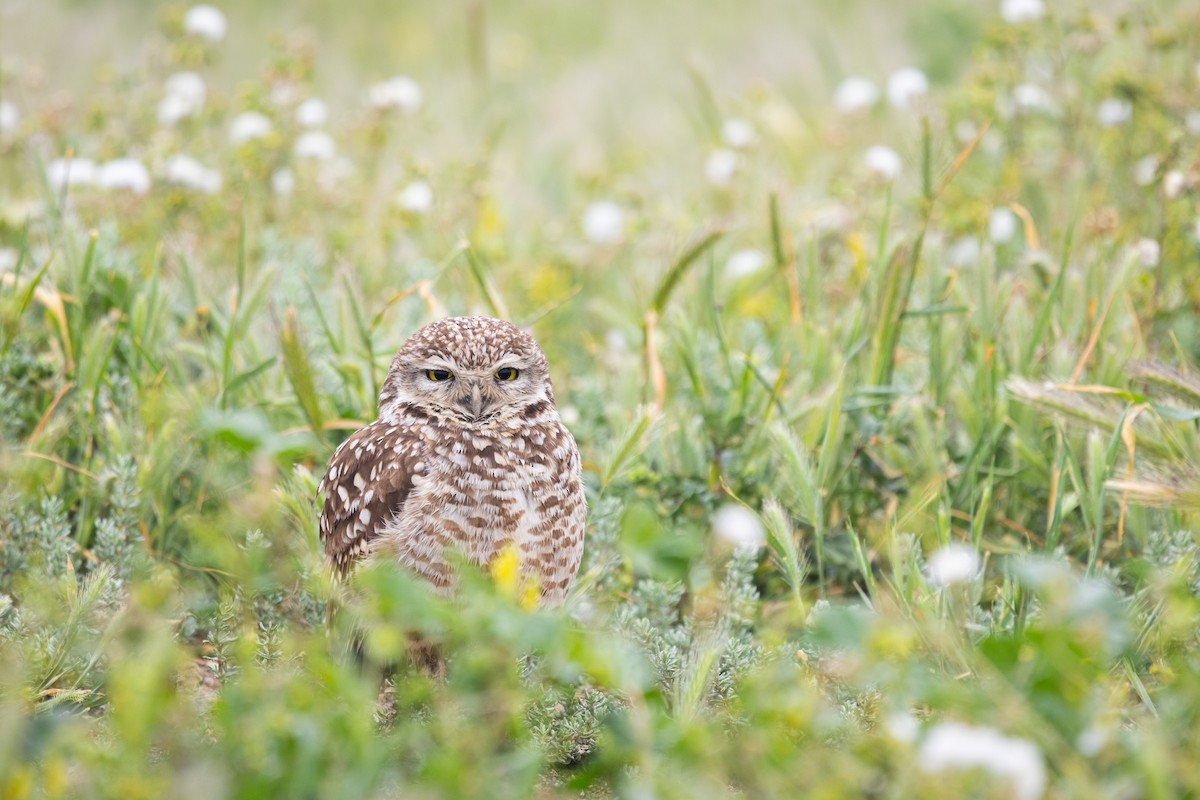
(884,387)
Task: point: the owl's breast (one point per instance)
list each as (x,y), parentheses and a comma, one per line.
(477,492)
(480,490)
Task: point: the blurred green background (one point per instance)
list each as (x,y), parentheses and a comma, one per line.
(876,325)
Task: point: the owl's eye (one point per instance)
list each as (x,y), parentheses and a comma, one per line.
(507,374)
(439,375)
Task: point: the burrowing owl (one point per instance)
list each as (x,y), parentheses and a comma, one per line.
(468,452)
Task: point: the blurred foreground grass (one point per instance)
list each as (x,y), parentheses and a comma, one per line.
(885,391)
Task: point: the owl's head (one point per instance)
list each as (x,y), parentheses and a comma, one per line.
(475,369)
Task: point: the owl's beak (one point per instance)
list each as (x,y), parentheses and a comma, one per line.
(473,404)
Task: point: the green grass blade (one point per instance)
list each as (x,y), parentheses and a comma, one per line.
(678,269)
(299,374)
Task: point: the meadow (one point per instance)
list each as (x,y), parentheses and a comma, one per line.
(876,325)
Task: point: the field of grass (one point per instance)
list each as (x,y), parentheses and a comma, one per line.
(877,327)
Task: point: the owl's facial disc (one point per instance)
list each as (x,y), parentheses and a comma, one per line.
(475,369)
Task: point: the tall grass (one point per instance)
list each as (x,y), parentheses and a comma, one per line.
(956,405)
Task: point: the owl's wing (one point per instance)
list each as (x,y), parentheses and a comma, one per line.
(369,477)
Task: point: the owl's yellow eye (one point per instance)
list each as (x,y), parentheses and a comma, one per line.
(438,375)
(507,374)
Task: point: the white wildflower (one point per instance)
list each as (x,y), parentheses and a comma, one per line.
(954,746)
(333,171)
(401,93)
(965,252)
(124,173)
(569,415)
(283,181)
(904,85)
(1090,596)
(1002,225)
(902,726)
(205,21)
(1145,170)
(312,113)
(1147,252)
(8,262)
(616,355)
(1017,11)
(743,263)
(615,342)
(1091,741)
(720,166)
(315,144)
(248,126)
(183,97)
(738,133)
(171,109)
(416,198)
(883,161)
(1114,111)
(583,611)
(739,527)
(855,94)
(1173,183)
(604,222)
(965,131)
(189,173)
(1192,121)
(1031,97)
(830,218)
(62,172)
(9,116)
(187,85)
(954,563)
(284,93)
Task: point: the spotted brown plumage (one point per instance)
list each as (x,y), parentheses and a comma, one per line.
(368,479)
(469,453)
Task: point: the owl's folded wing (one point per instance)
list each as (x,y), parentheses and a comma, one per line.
(369,477)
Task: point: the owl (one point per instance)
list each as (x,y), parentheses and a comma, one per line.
(468,453)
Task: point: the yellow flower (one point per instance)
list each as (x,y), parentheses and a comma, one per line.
(505,570)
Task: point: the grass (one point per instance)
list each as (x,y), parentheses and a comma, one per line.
(997,348)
